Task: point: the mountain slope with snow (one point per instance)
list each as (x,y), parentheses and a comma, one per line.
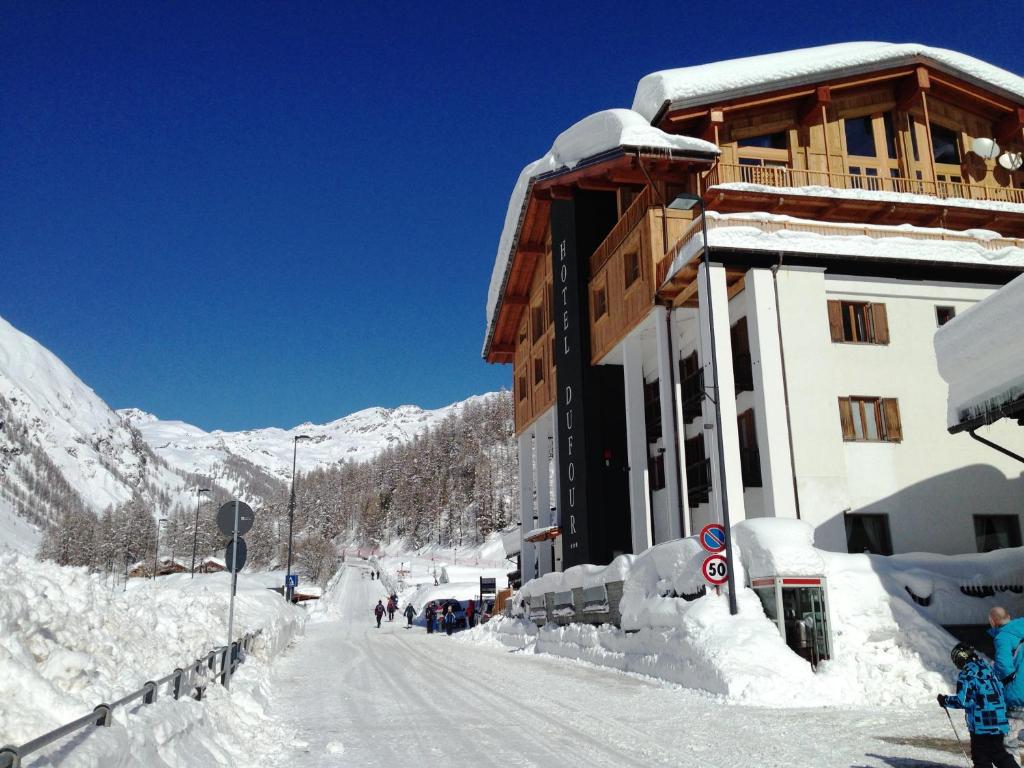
(357,437)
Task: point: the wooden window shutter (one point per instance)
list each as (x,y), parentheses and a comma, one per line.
(891,414)
(835,320)
(846,418)
(880,322)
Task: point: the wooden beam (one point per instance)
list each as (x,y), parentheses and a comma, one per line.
(685,295)
(516,300)
(1009,128)
(532,249)
(603,184)
(735,288)
(707,128)
(561,193)
(910,89)
(810,109)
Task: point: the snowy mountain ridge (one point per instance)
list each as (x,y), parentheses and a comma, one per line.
(357,437)
(62,447)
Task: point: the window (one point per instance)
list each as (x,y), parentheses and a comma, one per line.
(631,262)
(750,457)
(656,471)
(652,410)
(868,533)
(858,321)
(522,388)
(870,419)
(600,302)
(742,369)
(537,322)
(691,379)
(944,314)
(860,136)
(765,141)
(946,145)
(996,532)
(538,370)
(698,471)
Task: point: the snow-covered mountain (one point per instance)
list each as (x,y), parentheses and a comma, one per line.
(357,437)
(62,447)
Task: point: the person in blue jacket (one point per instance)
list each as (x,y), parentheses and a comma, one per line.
(980,694)
(1008,636)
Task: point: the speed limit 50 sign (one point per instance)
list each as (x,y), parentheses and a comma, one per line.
(715,569)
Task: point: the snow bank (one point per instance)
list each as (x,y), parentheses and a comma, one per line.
(67,643)
(885,615)
(773,71)
(904,241)
(981,354)
(591,136)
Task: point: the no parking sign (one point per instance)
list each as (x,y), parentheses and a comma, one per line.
(712,538)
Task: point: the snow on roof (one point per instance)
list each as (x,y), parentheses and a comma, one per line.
(767,231)
(981,354)
(757,74)
(597,133)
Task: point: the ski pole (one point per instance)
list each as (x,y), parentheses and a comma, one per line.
(964,751)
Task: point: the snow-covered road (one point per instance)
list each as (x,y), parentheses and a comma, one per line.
(356,695)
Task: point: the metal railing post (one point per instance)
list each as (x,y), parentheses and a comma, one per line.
(102,713)
(177,683)
(9,758)
(150,695)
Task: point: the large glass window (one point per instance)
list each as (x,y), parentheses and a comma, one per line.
(860,136)
(868,533)
(765,141)
(946,145)
(996,532)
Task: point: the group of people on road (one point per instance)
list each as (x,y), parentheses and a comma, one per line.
(992,696)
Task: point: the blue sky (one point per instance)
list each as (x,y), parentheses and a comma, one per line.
(257,214)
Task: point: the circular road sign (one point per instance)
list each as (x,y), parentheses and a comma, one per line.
(715,570)
(226,518)
(712,537)
(231,559)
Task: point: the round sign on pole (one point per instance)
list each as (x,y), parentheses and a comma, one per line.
(226,518)
(233,561)
(712,537)
(715,570)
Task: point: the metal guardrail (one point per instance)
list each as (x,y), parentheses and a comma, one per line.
(192,679)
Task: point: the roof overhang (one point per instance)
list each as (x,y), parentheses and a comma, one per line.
(607,171)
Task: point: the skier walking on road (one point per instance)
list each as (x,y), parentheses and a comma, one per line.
(392,607)
(1008,636)
(428,613)
(449,621)
(470,611)
(980,694)
(378,611)
(409,613)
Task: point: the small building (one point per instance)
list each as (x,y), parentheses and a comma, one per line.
(211,565)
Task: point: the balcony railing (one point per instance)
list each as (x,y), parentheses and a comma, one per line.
(698,481)
(750,467)
(779,176)
(633,216)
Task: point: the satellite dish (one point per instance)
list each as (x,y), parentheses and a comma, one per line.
(986,148)
(1011,161)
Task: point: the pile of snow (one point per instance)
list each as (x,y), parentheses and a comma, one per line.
(981,354)
(68,642)
(887,648)
(597,133)
(768,231)
(774,71)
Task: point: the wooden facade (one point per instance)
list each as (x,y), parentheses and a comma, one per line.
(902,130)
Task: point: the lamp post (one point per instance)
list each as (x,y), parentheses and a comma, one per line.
(291,518)
(195,532)
(686,202)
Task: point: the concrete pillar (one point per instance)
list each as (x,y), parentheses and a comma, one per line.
(556,493)
(542,475)
(671,527)
(527,551)
(769,395)
(636,444)
(723,390)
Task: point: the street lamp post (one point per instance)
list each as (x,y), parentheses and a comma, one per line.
(291,518)
(685,202)
(195,532)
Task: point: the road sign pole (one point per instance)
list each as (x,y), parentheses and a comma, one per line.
(231,604)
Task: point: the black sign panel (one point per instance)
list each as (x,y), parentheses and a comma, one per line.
(488,586)
(226,518)
(235,560)
(571,356)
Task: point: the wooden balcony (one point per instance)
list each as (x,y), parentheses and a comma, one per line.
(780,177)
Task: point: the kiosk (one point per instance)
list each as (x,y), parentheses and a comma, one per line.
(799,607)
